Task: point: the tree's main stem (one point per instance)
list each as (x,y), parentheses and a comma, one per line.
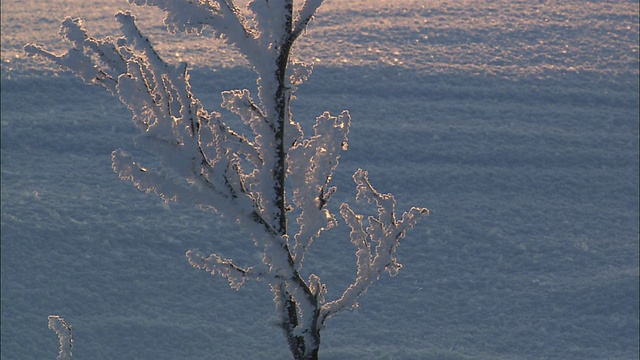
(297,343)
(282,113)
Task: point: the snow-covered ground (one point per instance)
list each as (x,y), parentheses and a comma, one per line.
(514,122)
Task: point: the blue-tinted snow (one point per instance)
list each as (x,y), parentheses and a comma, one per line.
(520,135)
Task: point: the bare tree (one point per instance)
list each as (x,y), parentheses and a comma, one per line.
(261,179)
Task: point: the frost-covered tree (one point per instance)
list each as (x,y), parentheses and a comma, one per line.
(261,179)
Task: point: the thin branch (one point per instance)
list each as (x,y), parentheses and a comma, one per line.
(305,15)
(65,336)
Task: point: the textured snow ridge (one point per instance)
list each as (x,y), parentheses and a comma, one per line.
(505,38)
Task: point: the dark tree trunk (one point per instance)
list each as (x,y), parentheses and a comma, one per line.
(297,344)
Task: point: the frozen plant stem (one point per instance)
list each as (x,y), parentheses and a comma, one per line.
(258,178)
(65,336)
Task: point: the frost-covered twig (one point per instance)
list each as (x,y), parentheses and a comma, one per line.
(65,336)
(385,230)
(305,15)
(311,165)
(94,61)
(235,274)
(221,16)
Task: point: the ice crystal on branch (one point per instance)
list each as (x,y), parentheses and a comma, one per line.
(260,178)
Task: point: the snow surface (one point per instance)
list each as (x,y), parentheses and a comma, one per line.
(514,122)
